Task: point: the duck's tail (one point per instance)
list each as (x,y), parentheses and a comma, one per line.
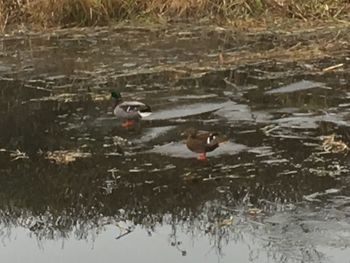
(145,111)
(222,139)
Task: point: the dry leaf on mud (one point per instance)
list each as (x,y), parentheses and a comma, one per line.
(226,222)
(334,146)
(65,156)
(254,211)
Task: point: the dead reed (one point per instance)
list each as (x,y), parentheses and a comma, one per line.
(47,13)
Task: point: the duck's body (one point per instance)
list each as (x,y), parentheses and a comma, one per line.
(202,142)
(129,112)
(132,110)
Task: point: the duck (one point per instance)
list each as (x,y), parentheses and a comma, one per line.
(130,112)
(202,142)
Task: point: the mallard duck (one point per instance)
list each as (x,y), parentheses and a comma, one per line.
(202,142)
(129,112)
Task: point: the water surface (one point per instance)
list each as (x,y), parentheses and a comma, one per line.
(76,186)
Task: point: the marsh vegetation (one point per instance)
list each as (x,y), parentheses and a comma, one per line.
(48,13)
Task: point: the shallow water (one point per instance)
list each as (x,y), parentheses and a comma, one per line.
(77,186)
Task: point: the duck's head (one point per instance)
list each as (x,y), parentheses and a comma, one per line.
(115,95)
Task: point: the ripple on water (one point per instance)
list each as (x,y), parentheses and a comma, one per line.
(234,112)
(185,110)
(298,86)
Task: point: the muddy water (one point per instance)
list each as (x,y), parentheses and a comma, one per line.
(77,186)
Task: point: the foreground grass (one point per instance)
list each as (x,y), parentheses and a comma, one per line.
(47,13)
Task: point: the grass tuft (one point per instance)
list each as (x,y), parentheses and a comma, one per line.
(49,13)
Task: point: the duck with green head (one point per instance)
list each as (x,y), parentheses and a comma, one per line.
(130,112)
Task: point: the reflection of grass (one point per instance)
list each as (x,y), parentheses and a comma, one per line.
(286,233)
(89,12)
(61,202)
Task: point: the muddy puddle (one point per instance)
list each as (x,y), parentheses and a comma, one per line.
(75,185)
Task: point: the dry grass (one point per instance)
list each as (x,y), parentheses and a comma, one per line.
(91,12)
